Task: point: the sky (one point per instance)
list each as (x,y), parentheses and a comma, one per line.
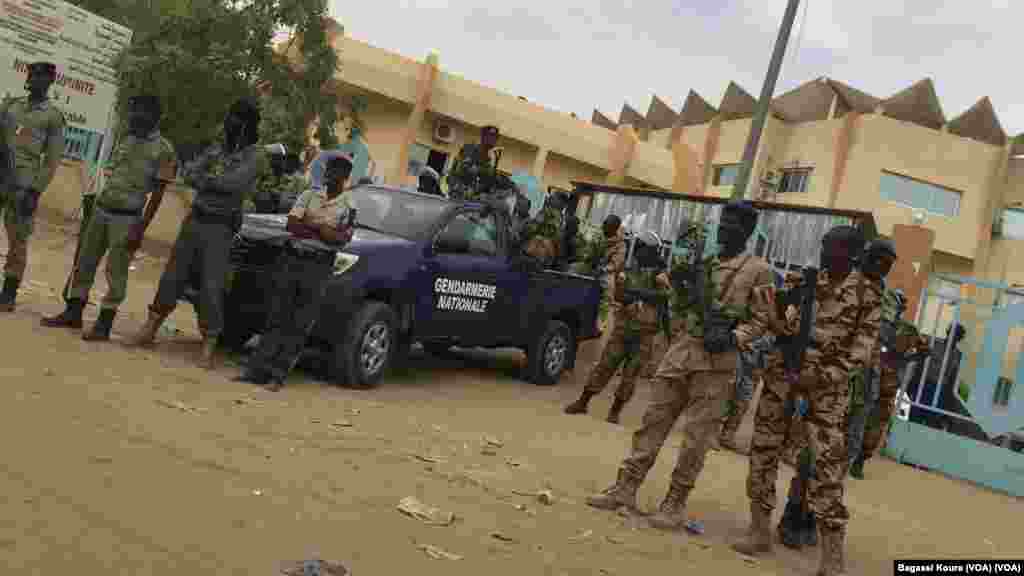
(575,56)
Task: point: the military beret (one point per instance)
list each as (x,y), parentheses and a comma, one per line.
(43,68)
(489,130)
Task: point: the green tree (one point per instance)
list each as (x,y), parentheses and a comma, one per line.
(201,55)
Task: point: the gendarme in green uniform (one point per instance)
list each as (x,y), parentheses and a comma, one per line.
(134,172)
(35,131)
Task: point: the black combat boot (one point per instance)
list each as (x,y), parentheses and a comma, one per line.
(580,405)
(810,530)
(616,410)
(71,317)
(254,376)
(101,329)
(9,293)
(791,526)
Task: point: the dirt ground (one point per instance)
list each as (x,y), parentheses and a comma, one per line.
(120,461)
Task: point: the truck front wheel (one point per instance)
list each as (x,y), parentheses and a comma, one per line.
(551,354)
(361,356)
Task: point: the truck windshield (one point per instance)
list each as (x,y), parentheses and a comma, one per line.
(395,212)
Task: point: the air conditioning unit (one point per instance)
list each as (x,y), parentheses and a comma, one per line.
(444,132)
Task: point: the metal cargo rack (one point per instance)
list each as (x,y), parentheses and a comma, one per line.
(788,236)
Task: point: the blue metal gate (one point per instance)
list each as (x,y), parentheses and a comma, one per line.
(960,411)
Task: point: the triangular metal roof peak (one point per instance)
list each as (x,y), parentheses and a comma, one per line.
(696,110)
(599,119)
(854,98)
(737,103)
(808,102)
(979,122)
(659,114)
(629,115)
(917,104)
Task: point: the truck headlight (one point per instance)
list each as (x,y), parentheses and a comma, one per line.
(343,261)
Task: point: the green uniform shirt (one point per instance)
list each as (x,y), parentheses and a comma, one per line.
(645,319)
(34,130)
(133,171)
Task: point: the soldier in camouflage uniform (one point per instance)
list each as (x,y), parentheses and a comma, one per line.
(839,248)
(847,315)
(901,343)
(694,377)
(631,343)
(33,129)
(223,176)
(473,174)
(142,165)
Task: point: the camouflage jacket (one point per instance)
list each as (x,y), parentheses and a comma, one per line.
(471,174)
(547,224)
(731,285)
(847,318)
(639,316)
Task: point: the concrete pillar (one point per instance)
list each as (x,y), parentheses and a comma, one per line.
(845,136)
(424,92)
(687,169)
(912,269)
(621,154)
(540,159)
(710,151)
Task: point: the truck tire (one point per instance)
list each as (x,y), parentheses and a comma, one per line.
(363,354)
(551,354)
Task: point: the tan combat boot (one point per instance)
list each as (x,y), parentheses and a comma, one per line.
(147,334)
(622,493)
(206,355)
(759,536)
(833,561)
(671,514)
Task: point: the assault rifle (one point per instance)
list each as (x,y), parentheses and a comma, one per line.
(655,298)
(794,348)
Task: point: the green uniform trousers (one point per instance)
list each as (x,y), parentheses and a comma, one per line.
(107,233)
(87,204)
(19,227)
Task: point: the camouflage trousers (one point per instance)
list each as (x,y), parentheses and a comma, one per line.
(878,422)
(826,433)
(630,350)
(689,384)
(19,227)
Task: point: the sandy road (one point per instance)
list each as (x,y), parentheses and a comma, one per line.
(121,461)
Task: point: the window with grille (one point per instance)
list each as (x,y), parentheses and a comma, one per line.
(794,180)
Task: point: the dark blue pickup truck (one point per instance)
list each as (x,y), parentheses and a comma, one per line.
(422,269)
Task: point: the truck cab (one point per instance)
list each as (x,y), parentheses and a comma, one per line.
(422,268)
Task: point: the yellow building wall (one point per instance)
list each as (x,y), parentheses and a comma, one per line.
(935,157)
(561,170)
(808,145)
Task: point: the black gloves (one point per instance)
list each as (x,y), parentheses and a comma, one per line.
(718,339)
